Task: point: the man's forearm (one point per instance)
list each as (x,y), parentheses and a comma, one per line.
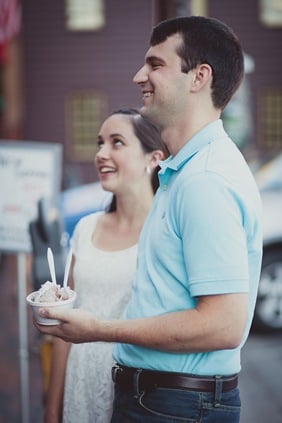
(185,331)
(218,322)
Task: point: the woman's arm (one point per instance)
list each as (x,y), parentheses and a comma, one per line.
(55,393)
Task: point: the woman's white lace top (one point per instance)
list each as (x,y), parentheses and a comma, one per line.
(103,284)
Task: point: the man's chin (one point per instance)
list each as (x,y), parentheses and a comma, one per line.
(143,111)
(148,113)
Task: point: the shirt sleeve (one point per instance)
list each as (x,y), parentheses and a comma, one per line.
(84,229)
(214,239)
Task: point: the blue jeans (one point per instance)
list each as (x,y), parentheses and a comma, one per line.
(164,405)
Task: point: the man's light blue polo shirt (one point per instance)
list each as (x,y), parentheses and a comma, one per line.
(203,236)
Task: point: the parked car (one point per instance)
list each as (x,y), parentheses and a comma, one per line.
(79,201)
(268,311)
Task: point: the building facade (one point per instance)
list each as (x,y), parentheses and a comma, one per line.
(77,69)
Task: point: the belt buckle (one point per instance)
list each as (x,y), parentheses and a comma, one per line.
(116,369)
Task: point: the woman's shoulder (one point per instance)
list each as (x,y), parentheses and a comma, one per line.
(87,222)
(90,218)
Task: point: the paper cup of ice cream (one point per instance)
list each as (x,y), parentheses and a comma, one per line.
(52,296)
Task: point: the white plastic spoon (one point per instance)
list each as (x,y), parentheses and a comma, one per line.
(67,268)
(50,258)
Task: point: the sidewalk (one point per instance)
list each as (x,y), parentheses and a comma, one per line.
(10,380)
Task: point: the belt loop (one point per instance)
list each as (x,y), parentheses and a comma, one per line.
(116,369)
(218,391)
(136,385)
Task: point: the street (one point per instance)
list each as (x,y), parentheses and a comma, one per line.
(261,379)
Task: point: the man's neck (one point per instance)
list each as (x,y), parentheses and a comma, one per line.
(175,137)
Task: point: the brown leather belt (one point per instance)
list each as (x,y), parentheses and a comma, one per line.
(127,377)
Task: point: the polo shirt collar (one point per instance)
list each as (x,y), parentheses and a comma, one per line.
(204,137)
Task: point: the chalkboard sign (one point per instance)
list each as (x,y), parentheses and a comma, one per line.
(28,171)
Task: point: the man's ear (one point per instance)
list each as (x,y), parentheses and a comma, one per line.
(202,75)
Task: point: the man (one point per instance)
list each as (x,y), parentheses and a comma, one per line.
(178,347)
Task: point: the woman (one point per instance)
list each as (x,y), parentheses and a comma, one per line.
(105,252)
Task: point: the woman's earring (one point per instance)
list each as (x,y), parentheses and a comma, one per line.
(148,170)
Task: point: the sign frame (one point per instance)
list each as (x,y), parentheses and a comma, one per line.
(29,171)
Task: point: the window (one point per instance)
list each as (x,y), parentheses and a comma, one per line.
(85,115)
(271,12)
(270,112)
(168,8)
(84,15)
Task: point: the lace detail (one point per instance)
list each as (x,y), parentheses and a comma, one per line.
(103,284)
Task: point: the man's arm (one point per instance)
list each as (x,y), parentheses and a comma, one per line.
(217,322)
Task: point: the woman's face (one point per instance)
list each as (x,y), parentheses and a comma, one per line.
(120,161)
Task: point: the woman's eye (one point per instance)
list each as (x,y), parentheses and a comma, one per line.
(117,142)
(100,143)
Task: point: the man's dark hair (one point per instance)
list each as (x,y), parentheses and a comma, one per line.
(210,41)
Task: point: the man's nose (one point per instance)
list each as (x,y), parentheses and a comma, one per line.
(141,76)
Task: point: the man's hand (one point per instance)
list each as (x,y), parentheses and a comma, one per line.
(76,325)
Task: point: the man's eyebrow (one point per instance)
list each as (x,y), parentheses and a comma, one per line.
(153,59)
